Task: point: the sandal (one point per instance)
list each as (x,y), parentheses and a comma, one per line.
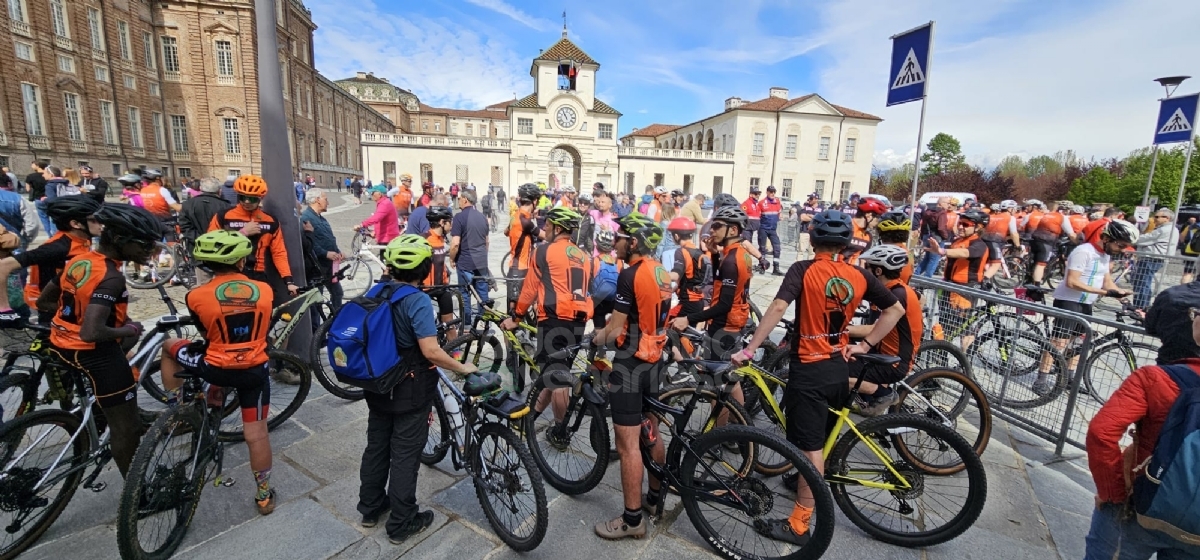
(780,530)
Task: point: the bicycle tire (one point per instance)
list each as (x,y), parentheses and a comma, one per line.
(1000,371)
(941,354)
(439,440)
(12,487)
(594,447)
(18,395)
(176,430)
(1099,390)
(963,394)
(360,276)
(486,353)
(752,492)
(321,368)
(1016,273)
(230,428)
(510,480)
(679,395)
(164,274)
(882,430)
(505,264)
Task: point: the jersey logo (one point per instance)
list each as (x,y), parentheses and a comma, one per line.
(664,281)
(339,357)
(237,293)
(79,273)
(575,254)
(839,290)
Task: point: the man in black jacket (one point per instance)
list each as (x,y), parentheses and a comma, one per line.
(35,183)
(198,212)
(93,185)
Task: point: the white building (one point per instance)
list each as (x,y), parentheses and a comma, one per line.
(561,134)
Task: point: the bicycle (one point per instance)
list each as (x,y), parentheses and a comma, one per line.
(358,273)
(483,349)
(172,261)
(469,427)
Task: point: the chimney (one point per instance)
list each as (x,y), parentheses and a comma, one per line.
(362,75)
(733,103)
(780,92)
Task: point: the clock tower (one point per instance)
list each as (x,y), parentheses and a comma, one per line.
(562,134)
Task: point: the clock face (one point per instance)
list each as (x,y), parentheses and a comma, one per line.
(566,117)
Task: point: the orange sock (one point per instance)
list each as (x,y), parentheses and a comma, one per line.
(799,519)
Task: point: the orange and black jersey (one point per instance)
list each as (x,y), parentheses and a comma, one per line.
(904,340)
(827,291)
(1033,219)
(269,239)
(521,237)
(644,295)
(47,261)
(967,271)
(89,279)
(860,241)
(692,266)
(558,281)
(233,313)
(730,307)
(439,275)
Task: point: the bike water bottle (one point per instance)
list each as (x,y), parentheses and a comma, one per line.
(453,411)
(649,436)
(937,332)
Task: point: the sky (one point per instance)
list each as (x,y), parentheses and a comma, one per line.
(1025,77)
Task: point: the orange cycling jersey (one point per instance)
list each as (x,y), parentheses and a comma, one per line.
(997,228)
(1035,218)
(154,201)
(438,274)
(558,281)
(270,238)
(860,241)
(730,309)
(46,262)
(644,295)
(522,234)
(233,313)
(1078,222)
(905,340)
(1051,225)
(967,271)
(827,291)
(951,221)
(691,264)
(89,279)
(403,200)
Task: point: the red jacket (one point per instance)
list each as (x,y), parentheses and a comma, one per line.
(750,207)
(1144,400)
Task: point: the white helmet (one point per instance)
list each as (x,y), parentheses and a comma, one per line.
(890,257)
(1035,202)
(995,208)
(660,190)
(1077,209)
(1008,204)
(567,189)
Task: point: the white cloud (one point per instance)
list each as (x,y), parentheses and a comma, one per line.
(506,9)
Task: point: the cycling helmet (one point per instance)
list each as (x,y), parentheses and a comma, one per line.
(407,252)
(151,174)
(1120,230)
(1008,205)
(564,217)
(567,189)
(678,192)
(732,215)
(221,246)
(605,240)
(955,202)
(995,207)
(1034,202)
(250,185)
(66,208)
(405,177)
(755,190)
(529,191)
(438,213)
(129,180)
(643,229)
(682,224)
(724,199)
(894,220)
(831,227)
(890,257)
(976,217)
(1077,209)
(584,198)
(660,191)
(872,206)
(125,222)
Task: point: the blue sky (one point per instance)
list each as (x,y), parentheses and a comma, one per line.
(1008,77)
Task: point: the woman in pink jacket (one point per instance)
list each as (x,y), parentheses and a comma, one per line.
(385,221)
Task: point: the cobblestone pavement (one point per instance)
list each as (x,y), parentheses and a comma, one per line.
(1038,506)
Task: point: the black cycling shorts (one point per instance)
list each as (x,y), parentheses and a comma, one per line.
(514,281)
(552,336)
(995,251)
(252,384)
(628,382)
(722,344)
(1043,251)
(444,300)
(107,369)
(813,389)
(1069,328)
(878,374)
(687,308)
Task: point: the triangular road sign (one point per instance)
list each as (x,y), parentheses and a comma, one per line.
(910,72)
(1177,123)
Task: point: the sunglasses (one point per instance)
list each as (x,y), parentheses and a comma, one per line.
(966,224)
(718,225)
(249,199)
(622,236)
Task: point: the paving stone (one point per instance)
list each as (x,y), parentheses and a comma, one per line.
(1053,488)
(333,454)
(460,499)
(88,509)
(1069,529)
(376,546)
(454,540)
(980,544)
(666,547)
(341,497)
(325,412)
(570,533)
(298,529)
(281,438)
(1007,510)
(97,542)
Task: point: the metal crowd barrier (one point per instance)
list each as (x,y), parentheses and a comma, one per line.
(1167,271)
(1010,342)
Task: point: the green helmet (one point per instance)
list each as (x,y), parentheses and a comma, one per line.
(564,217)
(407,252)
(639,226)
(221,246)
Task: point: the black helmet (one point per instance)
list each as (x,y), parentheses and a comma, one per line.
(831,227)
(438,213)
(129,179)
(74,207)
(151,174)
(977,217)
(529,191)
(724,199)
(678,192)
(125,221)
(732,215)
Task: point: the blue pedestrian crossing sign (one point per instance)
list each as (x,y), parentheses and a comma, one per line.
(910,65)
(1176,119)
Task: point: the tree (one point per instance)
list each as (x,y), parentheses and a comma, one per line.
(1012,167)
(943,154)
(1097,185)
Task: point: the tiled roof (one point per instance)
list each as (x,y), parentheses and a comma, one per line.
(856,114)
(464,113)
(565,49)
(501,105)
(527,102)
(779,104)
(602,107)
(653,130)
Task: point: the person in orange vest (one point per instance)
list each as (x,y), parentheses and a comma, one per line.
(1034,210)
(1002,225)
(249,219)
(865,220)
(157,198)
(1079,219)
(403,199)
(1045,240)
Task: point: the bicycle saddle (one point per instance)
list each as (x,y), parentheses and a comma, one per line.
(881,359)
(707,366)
(482,382)
(566,353)
(1036,289)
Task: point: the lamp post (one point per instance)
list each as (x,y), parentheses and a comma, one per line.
(1169,84)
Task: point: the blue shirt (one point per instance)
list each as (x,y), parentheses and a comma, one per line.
(417,222)
(414,320)
(471,227)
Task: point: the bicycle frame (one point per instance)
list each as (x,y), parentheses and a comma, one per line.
(95,454)
(306,299)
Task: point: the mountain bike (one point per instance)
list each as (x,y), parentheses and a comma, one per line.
(360,272)
(172,261)
(482,348)
(471,426)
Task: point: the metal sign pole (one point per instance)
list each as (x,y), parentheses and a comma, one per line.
(912,209)
(1187,162)
(1153,162)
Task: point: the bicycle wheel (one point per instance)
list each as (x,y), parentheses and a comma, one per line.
(163,486)
(439,440)
(1016,273)
(950,398)
(934,508)
(777,364)
(290,381)
(571,453)
(940,354)
(29,448)
(509,488)
(1006,368)
(161,269)
(18,395)
(1110,365)
(486,353)
(505,264)
(360,275)
(729,508)
(750,394)
(703,420)
(318,359)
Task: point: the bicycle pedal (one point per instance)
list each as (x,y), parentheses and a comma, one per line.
(225,481)
(97,486)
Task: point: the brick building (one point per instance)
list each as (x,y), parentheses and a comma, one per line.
(121,84)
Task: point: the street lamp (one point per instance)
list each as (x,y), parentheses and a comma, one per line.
(1169,84)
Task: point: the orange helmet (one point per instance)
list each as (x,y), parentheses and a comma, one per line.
(250,185)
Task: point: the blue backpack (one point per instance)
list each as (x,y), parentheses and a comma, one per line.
(362,345)
(604,285)
(1166,494)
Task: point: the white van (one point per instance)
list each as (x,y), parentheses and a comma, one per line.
(932,197)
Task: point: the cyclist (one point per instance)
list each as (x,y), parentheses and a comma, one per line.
(690,269)
(869,211)
(721,201)
(965,260)
(827,291)
(233,315)
(1034,211)
(604,284)
(585,236)
(1079,220)
(403,200)
(887,262)
(1088,278)
(72,216)
(157,198)
(559,275)
(769,208)
(643,298)
(894,228)
(654,210)
(522,234)
(92,324)
(439,273)
(1045,240)
(249,219)
(1001,224)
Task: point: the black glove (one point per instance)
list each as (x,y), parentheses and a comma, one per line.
(1110,293)
(11,320)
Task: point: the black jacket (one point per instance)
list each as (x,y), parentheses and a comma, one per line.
(99,188)
(198,211)
(36,185)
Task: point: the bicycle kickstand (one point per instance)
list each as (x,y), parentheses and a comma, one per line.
(222,480)
(90,482)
